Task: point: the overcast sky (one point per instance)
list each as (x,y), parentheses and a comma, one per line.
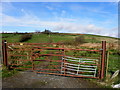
(100,18)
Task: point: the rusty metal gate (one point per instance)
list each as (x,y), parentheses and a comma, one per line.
(55,58)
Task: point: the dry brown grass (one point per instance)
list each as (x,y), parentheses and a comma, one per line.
(99,45)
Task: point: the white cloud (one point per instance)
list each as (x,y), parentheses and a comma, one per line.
(7,7)
(63,12)
(50,8)
(23,11)
(78,28)
(110,34)
(56,26)
(64,24)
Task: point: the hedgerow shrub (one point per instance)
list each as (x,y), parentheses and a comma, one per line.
(25,37)
(80,40)
(69,42)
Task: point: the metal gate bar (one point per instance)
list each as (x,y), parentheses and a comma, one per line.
(79,65)
(68,75)
(76,67)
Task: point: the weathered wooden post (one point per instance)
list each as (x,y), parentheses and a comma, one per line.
(103,57)
(4,51)
(107,60)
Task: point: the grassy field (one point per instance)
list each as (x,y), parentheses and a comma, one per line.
(91,42)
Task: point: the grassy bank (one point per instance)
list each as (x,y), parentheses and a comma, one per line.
(91,42)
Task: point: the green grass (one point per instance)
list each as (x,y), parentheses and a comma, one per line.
(44,38)
(11,37)
(114,63)
(7,73)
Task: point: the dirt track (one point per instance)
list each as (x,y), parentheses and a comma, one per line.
(32,80)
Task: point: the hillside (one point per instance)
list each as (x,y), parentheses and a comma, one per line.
(89,41)
(57,38)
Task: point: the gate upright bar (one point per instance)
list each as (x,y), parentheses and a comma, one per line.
(4,49)
(103,59)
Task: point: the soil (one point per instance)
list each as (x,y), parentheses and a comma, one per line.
(27,79)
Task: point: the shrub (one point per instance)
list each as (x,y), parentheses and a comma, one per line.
(50,40)
(68,42)
(25,37)
(80,40)
(48,32)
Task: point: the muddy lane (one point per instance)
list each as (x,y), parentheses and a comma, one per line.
(26,79)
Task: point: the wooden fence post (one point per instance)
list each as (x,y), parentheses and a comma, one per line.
(107,60)
(4,51)
(103,57)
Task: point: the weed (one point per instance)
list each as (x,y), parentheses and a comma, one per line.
(25,37)
(7,73)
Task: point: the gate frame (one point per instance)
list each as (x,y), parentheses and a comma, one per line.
(103,59)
